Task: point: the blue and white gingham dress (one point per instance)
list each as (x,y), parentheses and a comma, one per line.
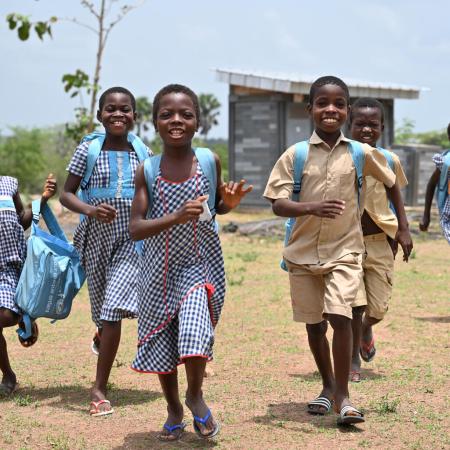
(182,283)
(12,247)
(107,253)
(438,159)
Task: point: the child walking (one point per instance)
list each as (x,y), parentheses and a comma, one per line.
(384,226)
(107,253)
(182,274)
(14,219)
(441,178)
(324,252)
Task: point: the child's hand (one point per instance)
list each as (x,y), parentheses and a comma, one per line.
(424,223)
(49,188)
(232,193)
(329,209)
(403,237)
(104,213)
(191,210)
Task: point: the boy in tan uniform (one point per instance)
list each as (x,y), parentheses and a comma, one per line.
(324,253)
(383,229)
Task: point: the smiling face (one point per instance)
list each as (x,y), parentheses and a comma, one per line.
(367,125)
(329,109)
(176,120)
(117,115)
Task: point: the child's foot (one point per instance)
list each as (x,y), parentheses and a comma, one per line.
(174,426)
(348,414)
(355,371)
(99,406)
(367,348)
(206,426)
(8,385)
(321,405)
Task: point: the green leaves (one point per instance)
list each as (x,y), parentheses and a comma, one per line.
(76,81)
(24,26)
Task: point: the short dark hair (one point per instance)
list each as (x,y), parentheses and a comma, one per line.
(116,90)
(177,89)
(366,102)
(323,81)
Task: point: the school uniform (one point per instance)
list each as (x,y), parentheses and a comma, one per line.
(107,253)
(182,282)
(444,220)
(375,289)
(324,256)
(13,246)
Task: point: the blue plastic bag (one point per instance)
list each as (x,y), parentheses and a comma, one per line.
(52,274)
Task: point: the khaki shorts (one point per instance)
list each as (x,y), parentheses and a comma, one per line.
(330,288)
(378,268)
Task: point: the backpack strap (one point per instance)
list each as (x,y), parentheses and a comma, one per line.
(358,156)
(443,186)
(151,168)
(300,155)
(207,161)
(390,160)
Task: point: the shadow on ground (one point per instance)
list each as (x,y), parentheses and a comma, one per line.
(76,397)
(296,412)
(435,319)
(366,374)
(150,440)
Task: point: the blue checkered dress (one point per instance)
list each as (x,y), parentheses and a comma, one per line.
(182,283)
(107,253)
(438,159)
(12,247)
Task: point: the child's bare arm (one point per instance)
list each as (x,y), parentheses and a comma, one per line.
(329,209)
(104,213)
(25,214)
(141,228)
(429,194)
(403,236)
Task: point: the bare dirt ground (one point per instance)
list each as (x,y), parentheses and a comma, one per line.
(264,372)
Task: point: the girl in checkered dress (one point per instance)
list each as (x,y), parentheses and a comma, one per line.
(107,253)
(182,278)
(14,218)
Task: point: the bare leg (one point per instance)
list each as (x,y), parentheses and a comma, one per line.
(169,385)
(357,312)
(7,319)
(195,370)
(367,325)
(318,343)
(108,349)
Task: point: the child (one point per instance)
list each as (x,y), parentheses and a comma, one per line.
(107,253)
(324,253)
(442,161)
(182,273)
(381,226)
(14,219)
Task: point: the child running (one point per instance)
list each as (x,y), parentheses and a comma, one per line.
(107,253)
(383,229)
(182,275)
(441,178)
(324,252)
(14,219)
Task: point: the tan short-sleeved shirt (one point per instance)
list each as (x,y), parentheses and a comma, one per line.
(376,202)
(328,174)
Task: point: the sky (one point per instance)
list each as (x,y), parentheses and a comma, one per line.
(400,42)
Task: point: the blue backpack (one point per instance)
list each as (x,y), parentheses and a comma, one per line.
(52,274)
(390,161)
(443,185)
(205,158)
(96,142)
(301,153)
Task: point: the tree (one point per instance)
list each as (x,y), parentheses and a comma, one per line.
(78,82)
(209,111)
(144,110)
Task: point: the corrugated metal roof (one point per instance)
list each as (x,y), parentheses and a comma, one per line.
(298,84)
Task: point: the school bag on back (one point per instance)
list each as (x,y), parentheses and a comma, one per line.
(52,274)
(443,189)
(300,155)
(205,158)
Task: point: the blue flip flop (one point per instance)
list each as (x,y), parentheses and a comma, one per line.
(171,428)
(203,421)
